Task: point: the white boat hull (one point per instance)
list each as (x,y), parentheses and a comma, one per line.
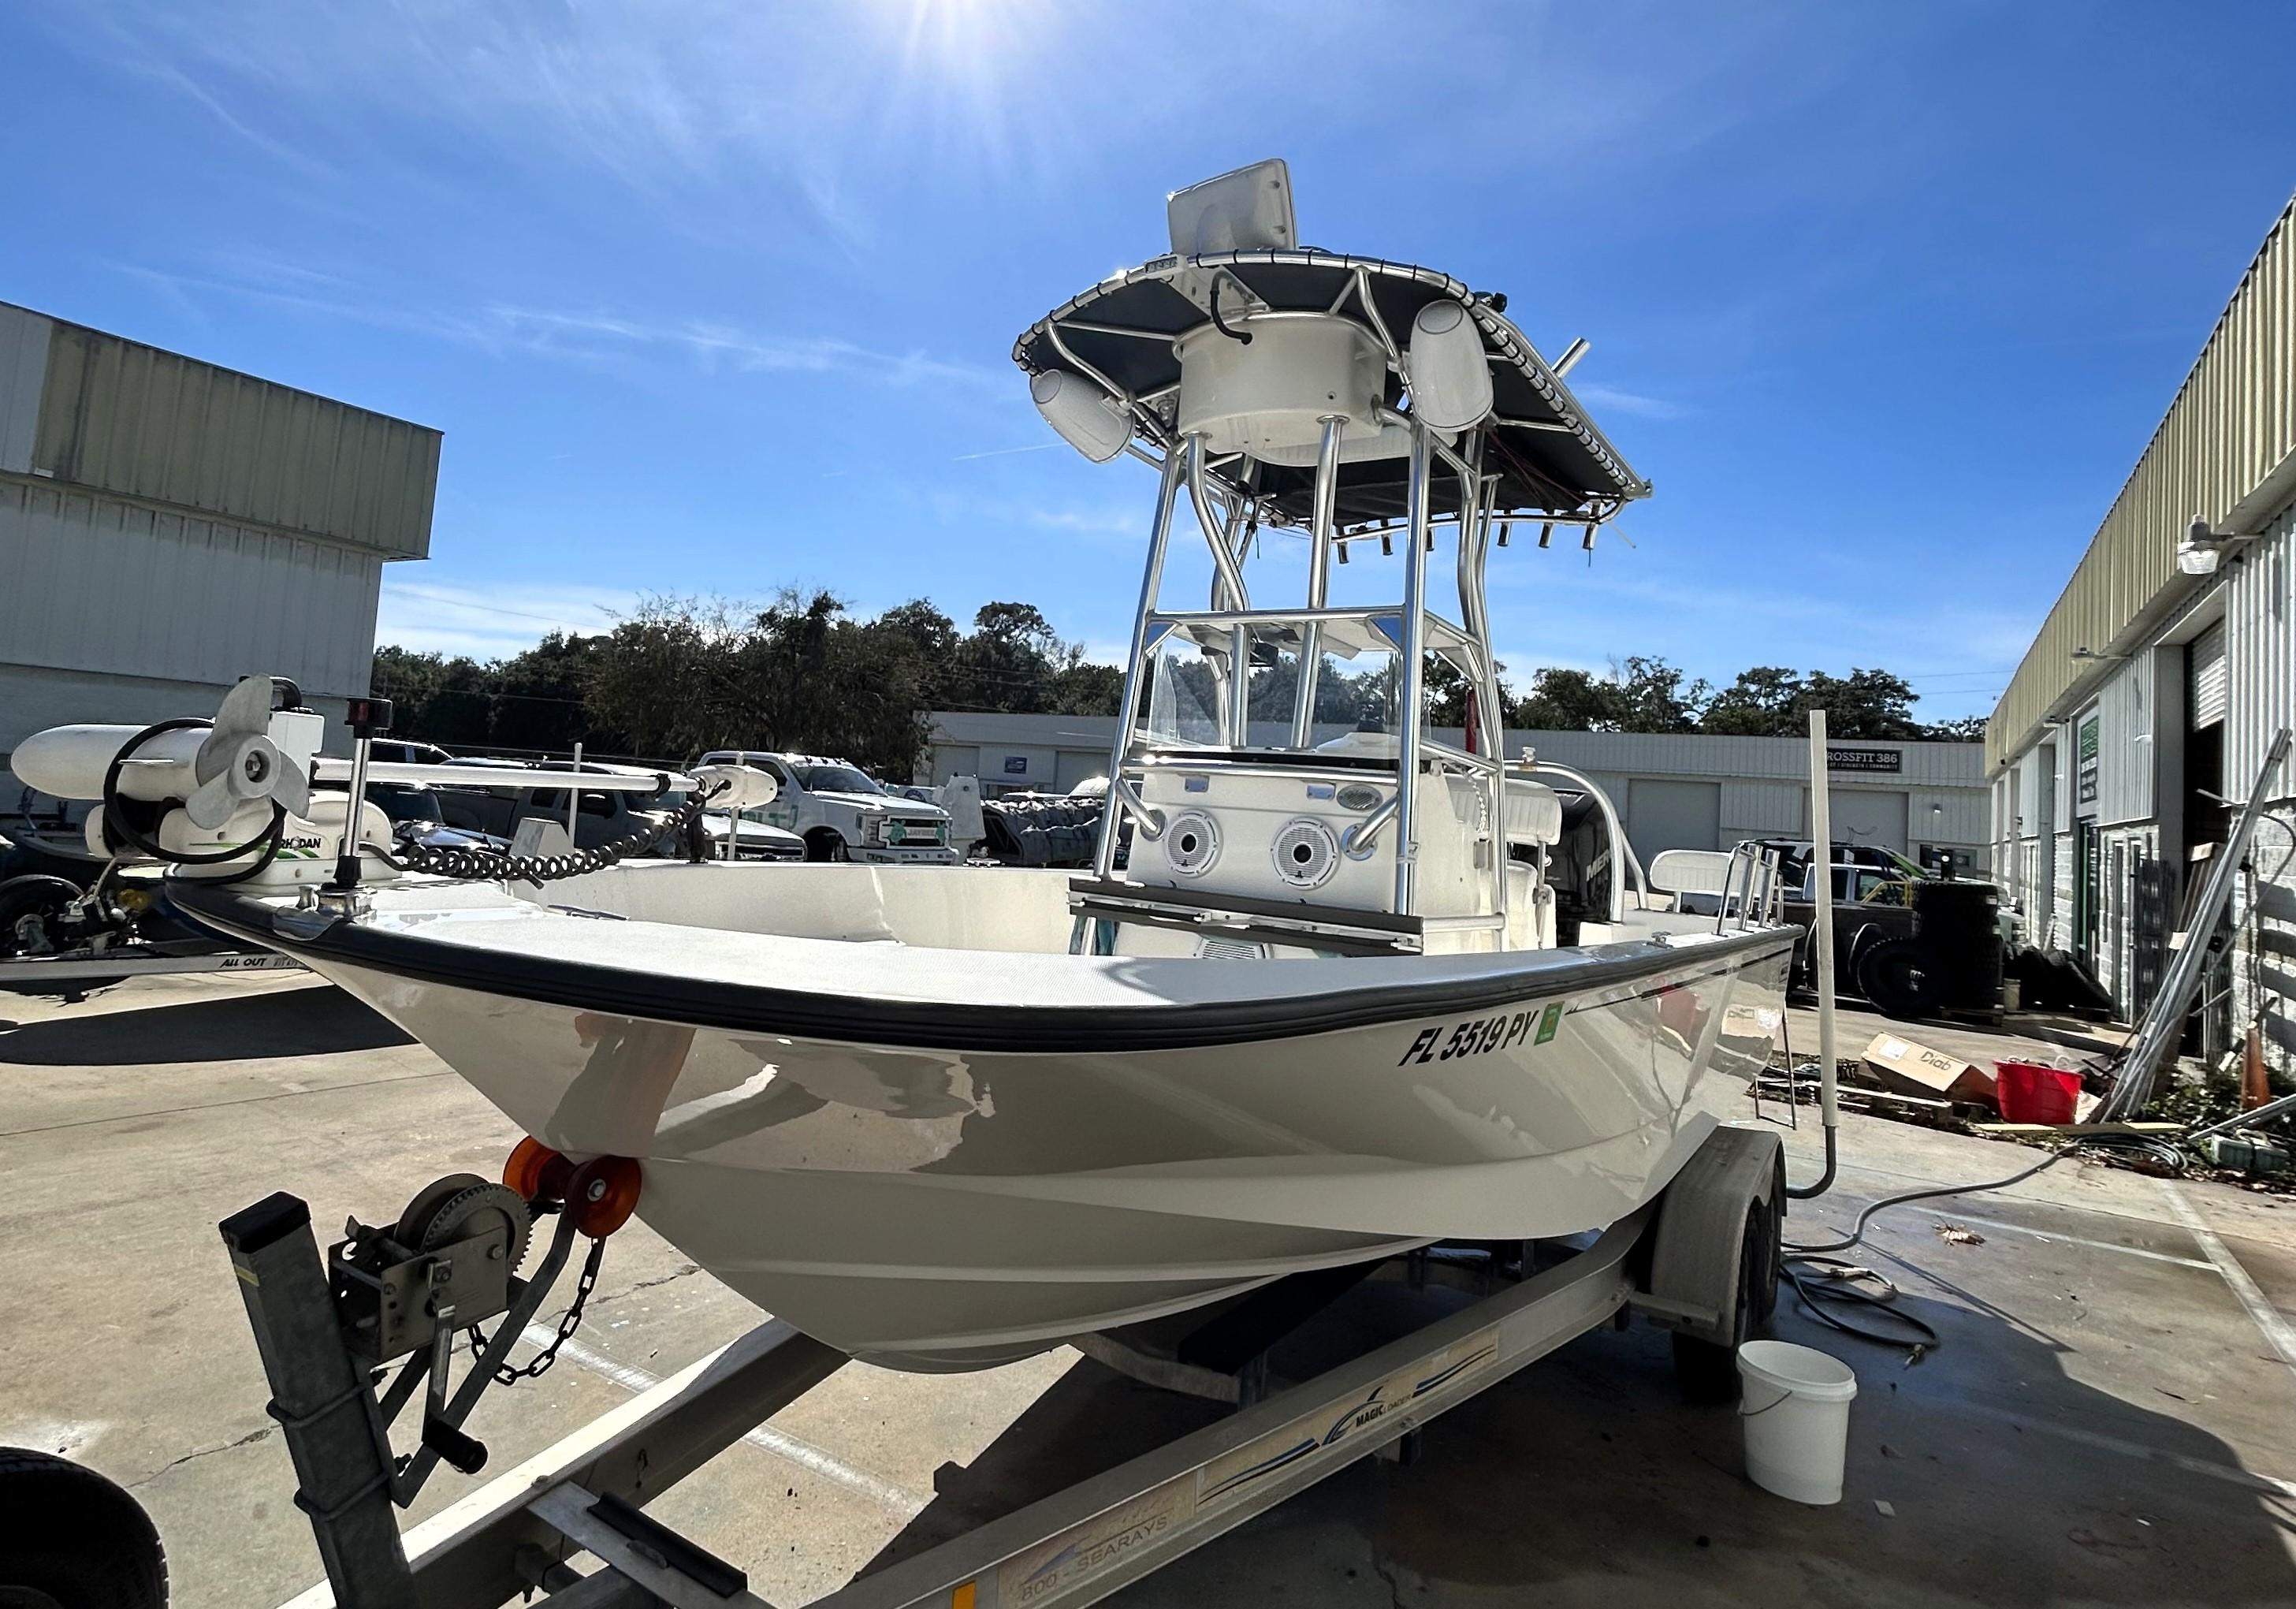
(954,1205)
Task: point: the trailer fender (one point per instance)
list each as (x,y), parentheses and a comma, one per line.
(1695,1279)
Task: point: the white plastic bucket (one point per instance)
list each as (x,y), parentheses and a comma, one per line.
(1794,1405)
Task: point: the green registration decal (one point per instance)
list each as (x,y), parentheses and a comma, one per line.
(1549,1020)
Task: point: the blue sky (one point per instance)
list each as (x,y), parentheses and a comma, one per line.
(715,297)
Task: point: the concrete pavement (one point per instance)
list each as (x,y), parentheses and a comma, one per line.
(2112,1418)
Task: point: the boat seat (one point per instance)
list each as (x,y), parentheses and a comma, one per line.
(1534,815)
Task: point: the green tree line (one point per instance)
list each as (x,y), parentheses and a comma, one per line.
(803,673)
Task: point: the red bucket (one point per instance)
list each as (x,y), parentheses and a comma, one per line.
(2030,1093)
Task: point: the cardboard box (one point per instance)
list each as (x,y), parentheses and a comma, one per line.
(1911,1069)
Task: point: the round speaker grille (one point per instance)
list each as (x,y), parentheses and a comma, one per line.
(1191,843)
(1305,853)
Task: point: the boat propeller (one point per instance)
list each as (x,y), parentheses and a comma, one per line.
(239,765)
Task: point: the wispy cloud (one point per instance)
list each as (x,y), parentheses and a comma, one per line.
(1005,452)
(582,336)
(490,621)
(1620,401)
(1110,522)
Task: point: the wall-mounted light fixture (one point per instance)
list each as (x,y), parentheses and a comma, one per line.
(2203,549)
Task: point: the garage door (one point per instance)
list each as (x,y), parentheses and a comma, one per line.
(1869,818)
(2209,680)
(1075,766)
(1669,815)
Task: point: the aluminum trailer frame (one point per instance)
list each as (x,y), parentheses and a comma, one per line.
(35,972)
(1675,1261)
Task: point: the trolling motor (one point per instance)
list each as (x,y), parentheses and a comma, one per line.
(224,799)
(238,798)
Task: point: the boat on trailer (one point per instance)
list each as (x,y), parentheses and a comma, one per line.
(943,1116)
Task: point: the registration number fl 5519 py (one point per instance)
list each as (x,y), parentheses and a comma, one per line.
(1480,1036)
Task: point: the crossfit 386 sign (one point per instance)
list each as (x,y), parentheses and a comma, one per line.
(1889,762)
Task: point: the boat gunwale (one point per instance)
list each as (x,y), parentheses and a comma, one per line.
(737,1008)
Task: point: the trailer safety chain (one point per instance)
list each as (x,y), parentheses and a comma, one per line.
(537,1366)
(499,866)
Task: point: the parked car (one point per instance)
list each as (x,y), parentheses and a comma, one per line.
(418,815)
(401,752)
(842,815)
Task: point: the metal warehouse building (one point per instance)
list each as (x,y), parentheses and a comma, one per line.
(167,527)
(2158,680)
(1687,791)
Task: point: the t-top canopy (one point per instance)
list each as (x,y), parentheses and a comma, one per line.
(1549,456)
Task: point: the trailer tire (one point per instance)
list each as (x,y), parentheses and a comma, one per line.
(1706,1371)
(1899,979)
(1863,939)
(35,894)
(71,1539)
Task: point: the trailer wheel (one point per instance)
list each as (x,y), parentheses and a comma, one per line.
(71,1539)
(1707,1371)
(1896,976)
(34,902)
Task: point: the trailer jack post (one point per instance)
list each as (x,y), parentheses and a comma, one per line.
(322,1402)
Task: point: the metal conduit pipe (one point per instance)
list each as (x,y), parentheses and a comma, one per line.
(1821,847)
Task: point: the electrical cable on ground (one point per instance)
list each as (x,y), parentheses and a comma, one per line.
(1819,1277)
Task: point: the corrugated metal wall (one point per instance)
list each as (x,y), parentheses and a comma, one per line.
(103,585)
(119,416)
(1763,810)
(1948,816)
(1689,754)
(2124,757)
(23,368)
(2232,425)
(2259,658)
(1762,782)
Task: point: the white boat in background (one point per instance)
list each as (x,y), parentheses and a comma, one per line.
(944,1116)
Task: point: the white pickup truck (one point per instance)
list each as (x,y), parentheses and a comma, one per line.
(842,815)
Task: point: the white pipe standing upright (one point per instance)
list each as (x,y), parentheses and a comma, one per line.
(1821,837)
(573,794)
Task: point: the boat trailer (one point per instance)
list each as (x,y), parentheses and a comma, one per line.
(1702,1259)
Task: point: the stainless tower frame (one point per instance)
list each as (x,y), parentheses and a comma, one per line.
(1222,507)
